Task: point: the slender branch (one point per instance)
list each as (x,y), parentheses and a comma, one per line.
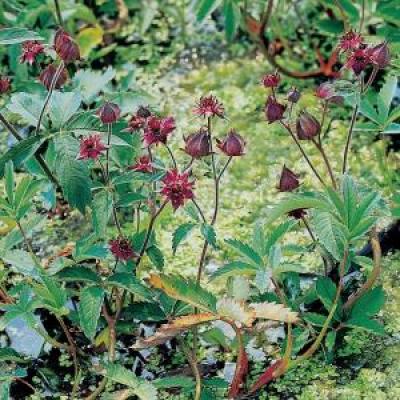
(362,19)
(377,255)
(109,134)
(171,154)
(58,13)
(199,210)
(349,137)
(287,127)
(326,161)
(49,94)
(38,157)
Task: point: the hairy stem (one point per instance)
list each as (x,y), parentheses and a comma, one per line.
(327,163)
(349,137)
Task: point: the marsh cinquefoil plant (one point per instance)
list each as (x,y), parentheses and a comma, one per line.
(90,297)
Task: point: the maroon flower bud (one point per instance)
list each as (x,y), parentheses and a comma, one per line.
(91,147)
(143,165)
(109,113)
(65,46)
(122,249)
(177,188)
(135,123)
(273,110)
(298,213)
(5,85)
(288,181)
(197,144)
(49,73)
(350,41)
(380,55)
(233,145)
(30,50)
(294,95)
(271,80)
(327,92)
(307,126)
(208,107)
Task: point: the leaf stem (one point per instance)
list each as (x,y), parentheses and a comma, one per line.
(58,13)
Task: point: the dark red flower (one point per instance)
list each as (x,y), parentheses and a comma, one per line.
(326,91)
(380,55)
(109,113)
(30,50)
(91,147)
(197,144)
(358,60)
(177,188)
(271,80)
(122,249)
(49,73)
(233,144)
(157,130)
(294,95)
(143,165)
(65,46)
(307,126)
(350,41)
(5,85)
(273,110)
(135,123)
(208,107)
(288,181)
(298,213)
(143,112)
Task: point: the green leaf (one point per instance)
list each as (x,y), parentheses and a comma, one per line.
(182,382)
(245,250)
(9,354)
(185,290)
(17,35)
(209,234)
(20,152)
(143,389)
(278,233)
(180,234)
(130,283)
(9,181)
(28,106)
(234,268)
(293,203)
(91,301)
(388,91)
(51,295)
(369,304)
(326,291)
(232,18)
(156,256)
(369,325)
(314,318)
(330,340)
(78,273)
(73,175)
(205,8)
(330,233)
(101,212)
(127,199)
(62,107)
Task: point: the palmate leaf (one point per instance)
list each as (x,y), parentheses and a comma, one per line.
(184,290)
(246,251)
(130,283)
(209,234)
(168,331)
(234,268)
(278,233)
(143,389)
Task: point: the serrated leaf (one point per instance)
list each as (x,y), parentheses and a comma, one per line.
(388,91)
(180,234)
(17,35)
(234,268)
(277,234)
(91,301)
(51,295)
(232,18)
(326,292)
(143,389)
(314,318)
(101,212)
(78,273)
(245,250)
(330,340)
(183,382)
(130,283)
(274,311)
(235,310)
(168,331)
(127,199)
(369,325)
(369,304)
(28,106)
(184,290)
(156,256)
(20,152)
(205,8)
(63,105)
(209,234)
